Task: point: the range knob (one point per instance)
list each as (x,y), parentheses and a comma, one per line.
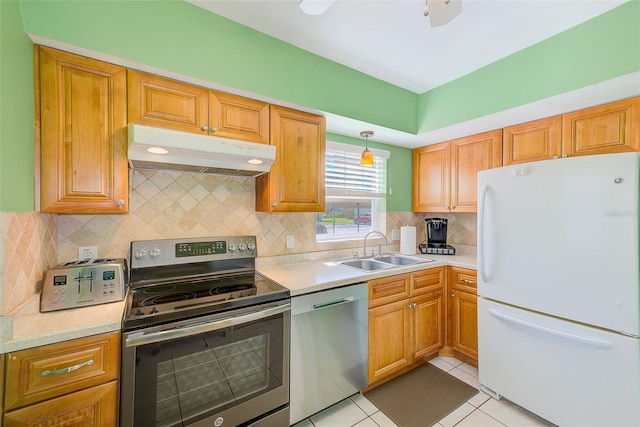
(140,254)
(251,246)
(232,248)
(154,253)
(242,247)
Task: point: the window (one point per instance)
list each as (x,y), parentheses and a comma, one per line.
(355,195)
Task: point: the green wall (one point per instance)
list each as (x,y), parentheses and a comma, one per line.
(600,49)
(177,36)
(212,48)
(16,112)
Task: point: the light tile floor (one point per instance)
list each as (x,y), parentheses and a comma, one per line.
(479,411)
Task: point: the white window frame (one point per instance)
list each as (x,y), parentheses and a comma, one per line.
(376,194)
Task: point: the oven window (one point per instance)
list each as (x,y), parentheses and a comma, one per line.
(188,379)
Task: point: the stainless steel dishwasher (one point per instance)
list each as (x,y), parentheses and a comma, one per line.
(329,358)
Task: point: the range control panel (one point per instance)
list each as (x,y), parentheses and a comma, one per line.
(152,253)
(83,283)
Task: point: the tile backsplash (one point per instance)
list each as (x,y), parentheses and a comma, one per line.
(171,205)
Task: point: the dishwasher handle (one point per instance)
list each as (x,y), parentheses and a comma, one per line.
(332,303)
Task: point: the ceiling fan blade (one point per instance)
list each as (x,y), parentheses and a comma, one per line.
(315,7)
(443,11)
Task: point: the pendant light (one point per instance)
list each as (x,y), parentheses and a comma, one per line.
(366,158)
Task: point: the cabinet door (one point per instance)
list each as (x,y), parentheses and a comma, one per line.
(96,406)
(533,141)
(235,117)
(427,323)
(389,339)
(464,322)
(469,156)
(431,178)
(609,128)
(83,134)
(160,102)
(296,180)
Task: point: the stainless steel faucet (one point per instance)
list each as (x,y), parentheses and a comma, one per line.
(364,247)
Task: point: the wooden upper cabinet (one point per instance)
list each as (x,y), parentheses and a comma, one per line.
(609,128)
(83,134)
(469,156)
(161,102)
(431,178)
(296,180)
(445,176)
(532,141)
(232,116)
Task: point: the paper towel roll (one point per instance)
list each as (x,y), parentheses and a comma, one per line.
(408,240)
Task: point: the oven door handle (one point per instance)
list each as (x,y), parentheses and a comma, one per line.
(142,338)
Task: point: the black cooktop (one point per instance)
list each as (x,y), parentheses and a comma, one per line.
(154,303)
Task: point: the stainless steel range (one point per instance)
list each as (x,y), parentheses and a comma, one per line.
(206,338)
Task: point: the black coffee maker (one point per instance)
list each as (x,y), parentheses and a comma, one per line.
(436,230)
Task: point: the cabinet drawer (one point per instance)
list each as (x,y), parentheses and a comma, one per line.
(41,373)
(388,289)
(463,279)
(427,281)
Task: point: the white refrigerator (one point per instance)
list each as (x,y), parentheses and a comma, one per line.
(559,288)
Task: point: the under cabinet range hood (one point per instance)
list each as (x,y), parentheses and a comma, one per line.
(163,149)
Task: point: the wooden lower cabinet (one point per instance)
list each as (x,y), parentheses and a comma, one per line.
(462,331)
(95,406)
(403,330)
(71,383)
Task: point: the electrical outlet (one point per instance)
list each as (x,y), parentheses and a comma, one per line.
(395,235)
(290,241)
(85,252)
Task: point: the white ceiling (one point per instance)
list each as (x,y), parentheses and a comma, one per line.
(393,41)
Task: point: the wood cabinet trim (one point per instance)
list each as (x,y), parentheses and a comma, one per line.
(25,386)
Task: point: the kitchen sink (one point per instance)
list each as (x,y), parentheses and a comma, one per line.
(401,259)
(366,264)
(382,262)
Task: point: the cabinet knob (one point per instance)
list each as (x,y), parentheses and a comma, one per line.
(275,205)
(555,157)
(564,155)
(453,295)
(213,129)
(204,128)
(120,202)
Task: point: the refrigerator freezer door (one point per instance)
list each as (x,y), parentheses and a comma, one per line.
(569,374)
(561,237)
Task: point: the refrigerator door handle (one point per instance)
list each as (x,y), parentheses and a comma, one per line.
(544,329)
(481,269)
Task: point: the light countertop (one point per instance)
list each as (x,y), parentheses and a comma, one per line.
(313,276)
(29,328)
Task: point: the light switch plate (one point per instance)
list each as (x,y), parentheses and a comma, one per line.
(395,235)
(85,252)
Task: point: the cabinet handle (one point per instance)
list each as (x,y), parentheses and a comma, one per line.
(213,129)
(204,128)
(473,282)
(412,305)
(66,370)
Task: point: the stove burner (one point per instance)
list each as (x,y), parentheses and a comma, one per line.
(230,288)
(167,298)
(163,289)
